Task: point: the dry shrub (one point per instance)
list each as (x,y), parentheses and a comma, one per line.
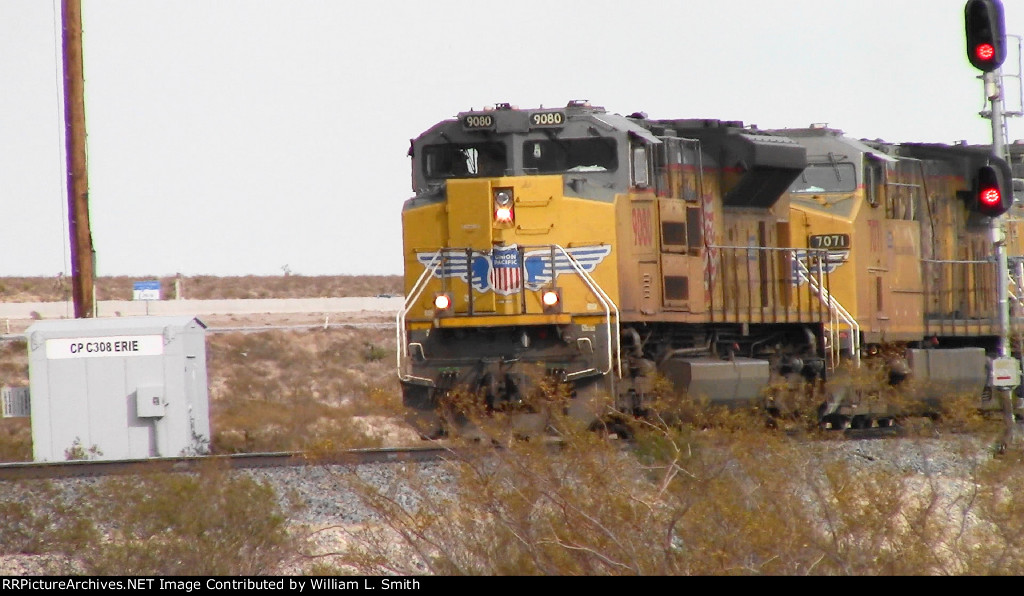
(37,518)
(15,433)
(270,390)
(15,439)
(284,390)
(14,362)
(692,500)
(997,547)
(210,522)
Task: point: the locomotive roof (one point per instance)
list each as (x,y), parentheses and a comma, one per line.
(510,119)
(823,141)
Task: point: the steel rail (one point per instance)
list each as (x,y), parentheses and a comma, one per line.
(238,461)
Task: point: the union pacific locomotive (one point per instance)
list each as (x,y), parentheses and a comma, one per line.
(608,252)
(912,258)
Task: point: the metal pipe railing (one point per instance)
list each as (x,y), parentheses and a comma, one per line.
(611,312)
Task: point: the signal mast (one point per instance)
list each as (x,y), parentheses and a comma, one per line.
(993,191)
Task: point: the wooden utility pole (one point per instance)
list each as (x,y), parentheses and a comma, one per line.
(82,269)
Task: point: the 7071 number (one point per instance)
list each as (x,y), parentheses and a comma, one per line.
(829,241)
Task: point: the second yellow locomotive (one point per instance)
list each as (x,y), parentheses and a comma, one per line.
(913,261)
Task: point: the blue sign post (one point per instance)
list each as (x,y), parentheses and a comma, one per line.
(146,290)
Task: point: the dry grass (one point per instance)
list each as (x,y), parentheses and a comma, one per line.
(691,501)
(275,390)
(205,287)
(684,501)
(272,390)
(299,390)
(713,493)
(209,523)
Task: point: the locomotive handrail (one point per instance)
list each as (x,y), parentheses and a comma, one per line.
(1015,273)
(402,346)
(971,309)
(609,308)
(836,311)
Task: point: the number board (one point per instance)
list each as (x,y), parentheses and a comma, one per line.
(544,119)
(839,241)
(477,121)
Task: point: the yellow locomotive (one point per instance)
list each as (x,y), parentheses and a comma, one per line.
(604,252)
(913,262)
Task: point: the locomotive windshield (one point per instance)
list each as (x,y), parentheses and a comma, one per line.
(570,155)
(826,177)
(468,160)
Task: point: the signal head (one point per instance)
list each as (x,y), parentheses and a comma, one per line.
(992,194)
(986,34)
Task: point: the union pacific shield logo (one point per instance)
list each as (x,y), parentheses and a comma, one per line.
(505,271)
(505,277)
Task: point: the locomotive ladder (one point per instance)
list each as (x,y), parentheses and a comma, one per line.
(838,315)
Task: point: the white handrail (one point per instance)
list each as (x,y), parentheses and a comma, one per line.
(609,307)
(836,312)
(402,348)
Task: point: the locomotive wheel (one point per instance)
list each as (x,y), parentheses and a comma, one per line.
(835,422)
(860,422)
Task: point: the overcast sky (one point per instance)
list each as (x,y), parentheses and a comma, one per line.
(237,137)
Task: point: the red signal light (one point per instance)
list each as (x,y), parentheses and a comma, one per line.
(992,194)
(986,34)
(985,51)
(990,197)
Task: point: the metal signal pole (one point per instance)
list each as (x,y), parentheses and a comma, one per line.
(994,92)
(82,254)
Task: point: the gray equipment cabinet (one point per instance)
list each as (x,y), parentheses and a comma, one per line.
(118,388)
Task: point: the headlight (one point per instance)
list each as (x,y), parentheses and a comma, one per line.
(503,206)
(551,300)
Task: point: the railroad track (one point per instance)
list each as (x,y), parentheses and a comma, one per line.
(85,468)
